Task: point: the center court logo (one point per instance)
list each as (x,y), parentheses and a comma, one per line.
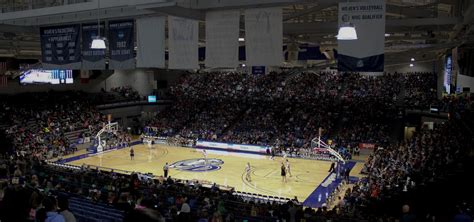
(198,165)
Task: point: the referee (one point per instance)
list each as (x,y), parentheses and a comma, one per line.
(165,170)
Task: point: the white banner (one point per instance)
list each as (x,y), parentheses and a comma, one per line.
(232,147)
(183,35)
(264,36)
(367,52)
(151,42)
(222,34)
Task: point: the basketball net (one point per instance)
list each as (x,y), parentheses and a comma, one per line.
(318,144)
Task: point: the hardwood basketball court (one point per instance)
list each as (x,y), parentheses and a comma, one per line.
(266,179)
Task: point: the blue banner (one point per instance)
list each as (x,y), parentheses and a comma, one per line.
(368,64)
(306,52)
(258,70)
(60,46)
(121,44)
(92,58)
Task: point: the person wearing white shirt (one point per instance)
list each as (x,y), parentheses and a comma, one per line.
(247,172)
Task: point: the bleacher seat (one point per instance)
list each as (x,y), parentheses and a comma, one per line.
(88,211)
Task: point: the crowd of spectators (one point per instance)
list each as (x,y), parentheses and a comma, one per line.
(285,110)
(368,110)
(395,169)
(407,166)
(127,92)
(38,123)
(281,109)
(165,198)
(420,89)
(250,109)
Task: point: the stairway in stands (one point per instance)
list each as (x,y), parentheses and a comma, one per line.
(87,211)
(73,136)
(397,127)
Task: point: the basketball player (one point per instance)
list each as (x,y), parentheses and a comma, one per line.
(333,167)
(283,172)
(247,172)
(284,154)
(288,169)
(204,153)
(148,142)
(132,153)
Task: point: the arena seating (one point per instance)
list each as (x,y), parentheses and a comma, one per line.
(299,102)
(273,109)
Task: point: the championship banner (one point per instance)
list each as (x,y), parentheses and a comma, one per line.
(121,44)
(366,54)
(92,59)
(264,36)
(222,35)
(60,47)
(151,42)
(183,36)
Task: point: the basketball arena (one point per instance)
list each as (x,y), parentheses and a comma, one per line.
(236,111)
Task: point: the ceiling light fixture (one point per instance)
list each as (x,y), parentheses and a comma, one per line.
(98,42)
(347,32)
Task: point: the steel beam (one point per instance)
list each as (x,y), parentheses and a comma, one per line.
(231,4)
(392,25)
(18,29)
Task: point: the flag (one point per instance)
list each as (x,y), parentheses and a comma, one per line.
(3,81)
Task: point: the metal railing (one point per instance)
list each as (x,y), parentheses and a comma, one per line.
(15,6)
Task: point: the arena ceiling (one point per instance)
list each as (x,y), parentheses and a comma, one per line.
(414,28)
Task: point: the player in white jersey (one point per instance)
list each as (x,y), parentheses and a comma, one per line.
(149,142)
(247,172)
(204,154)
(288,168)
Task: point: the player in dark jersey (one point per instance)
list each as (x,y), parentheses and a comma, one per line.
(283,172)
(132,154)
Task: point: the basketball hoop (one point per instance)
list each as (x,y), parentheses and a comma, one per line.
(318,146)
(108,128)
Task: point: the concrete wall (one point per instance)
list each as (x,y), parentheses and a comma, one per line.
(124,115)
(465,81)
(172,76)
(142,80)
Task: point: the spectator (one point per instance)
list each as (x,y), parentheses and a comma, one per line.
(51,207)
(63,205)
(407,216)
